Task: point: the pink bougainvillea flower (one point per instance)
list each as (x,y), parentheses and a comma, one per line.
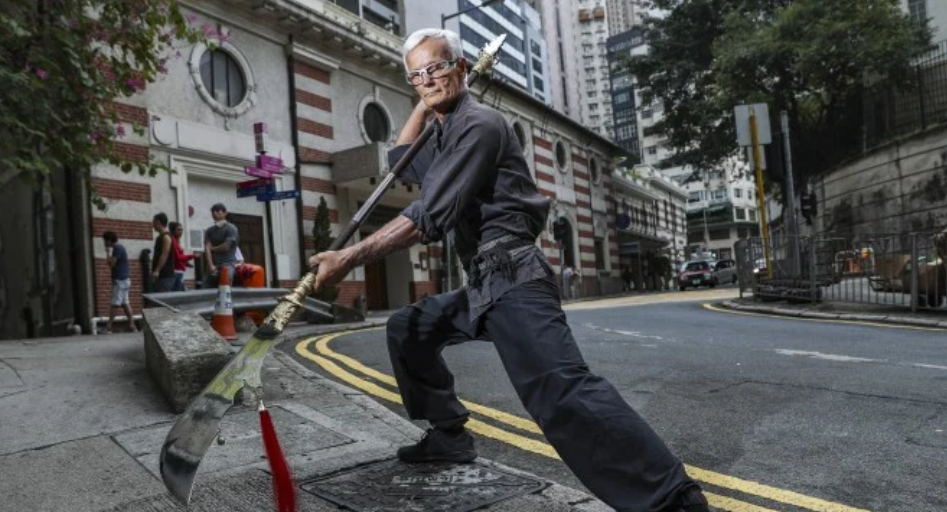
(120,131)
(42,74)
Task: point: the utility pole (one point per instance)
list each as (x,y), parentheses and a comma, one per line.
(758,163)
(791,195)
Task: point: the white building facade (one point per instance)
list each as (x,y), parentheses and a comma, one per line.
(595,98)
(331,90)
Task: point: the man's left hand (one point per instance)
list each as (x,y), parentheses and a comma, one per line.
(154,276)
(332,268)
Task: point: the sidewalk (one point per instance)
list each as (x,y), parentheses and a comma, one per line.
(832,310)
(81,425)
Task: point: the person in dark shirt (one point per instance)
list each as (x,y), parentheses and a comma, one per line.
(162,258)
(117,258)
(221,242)
(477,188)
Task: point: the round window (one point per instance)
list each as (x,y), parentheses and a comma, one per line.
(376,123)
(561,160)
(223,78)
(520,134)
(593,169)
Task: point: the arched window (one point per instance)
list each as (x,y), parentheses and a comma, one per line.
(375,120)
(222,77)
(562,159)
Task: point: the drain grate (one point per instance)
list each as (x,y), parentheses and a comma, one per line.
(391,486)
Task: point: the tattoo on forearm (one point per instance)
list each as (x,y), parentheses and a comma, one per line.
(398,234)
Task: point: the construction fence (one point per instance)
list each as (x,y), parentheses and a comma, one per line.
(905,269)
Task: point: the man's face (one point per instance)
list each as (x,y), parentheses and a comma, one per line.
(157,225)
(219,215)
(109,244)
(437,93)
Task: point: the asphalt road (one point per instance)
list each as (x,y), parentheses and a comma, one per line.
(829,417)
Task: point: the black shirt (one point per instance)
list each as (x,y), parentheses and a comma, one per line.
(168,269)
(475,184)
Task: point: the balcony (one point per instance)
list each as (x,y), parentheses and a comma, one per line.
(368,161)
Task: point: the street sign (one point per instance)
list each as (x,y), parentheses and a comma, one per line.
(256,191)
(255,171)
(259,133)
(742,115)
(278,196)
(269,164)
(254,183)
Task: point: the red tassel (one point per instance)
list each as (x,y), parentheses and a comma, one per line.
(284,491)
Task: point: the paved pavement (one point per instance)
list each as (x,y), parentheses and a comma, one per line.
(81,424)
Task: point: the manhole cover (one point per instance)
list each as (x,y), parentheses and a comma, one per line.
(395,486)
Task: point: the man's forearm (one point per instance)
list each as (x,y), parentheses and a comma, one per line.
(413,126)
(224,247)
(398,234)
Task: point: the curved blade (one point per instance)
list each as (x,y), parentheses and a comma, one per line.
(196,428)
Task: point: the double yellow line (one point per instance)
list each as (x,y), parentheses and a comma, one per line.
(317,350)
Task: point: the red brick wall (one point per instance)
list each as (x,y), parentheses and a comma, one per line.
(314,100)
(103,286)
(117,189)
(542,143)
(579,160)
(314,156)
(541,176)
(543,160)
(421,288)
(311,72)
(348,291)
(580,174)
(128,113)
(130,229)
(309,213)
(317,185)
(317,129)
(130,152)
(582,189)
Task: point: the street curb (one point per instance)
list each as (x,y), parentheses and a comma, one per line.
(883,319)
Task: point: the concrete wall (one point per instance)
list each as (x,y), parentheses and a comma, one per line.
(900,187)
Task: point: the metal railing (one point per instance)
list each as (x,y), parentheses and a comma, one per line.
(906,270)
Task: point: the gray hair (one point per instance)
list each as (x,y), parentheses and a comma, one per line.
(419,36)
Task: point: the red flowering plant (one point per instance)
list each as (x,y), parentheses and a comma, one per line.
(62,64)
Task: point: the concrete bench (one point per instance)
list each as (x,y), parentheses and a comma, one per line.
(182,354)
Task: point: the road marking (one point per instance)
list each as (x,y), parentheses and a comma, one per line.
(542,448)
(659,298)
(821,320)
(633,334)
(827,357)
(510,419)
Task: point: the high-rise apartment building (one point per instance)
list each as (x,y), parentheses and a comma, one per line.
(595,92)
(558,30)
(623,15)
(523,57)
(624,99)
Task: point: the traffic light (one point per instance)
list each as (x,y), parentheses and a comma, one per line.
(809,206)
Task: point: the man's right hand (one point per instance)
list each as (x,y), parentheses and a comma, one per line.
(212,269)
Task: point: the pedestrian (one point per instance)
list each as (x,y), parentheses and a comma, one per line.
(568,276)
(181,260)
(162,258)
(117,258)
(476,186)
(220,247)
(626,278)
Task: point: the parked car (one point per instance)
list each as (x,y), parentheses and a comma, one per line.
(725,272)
(696,274)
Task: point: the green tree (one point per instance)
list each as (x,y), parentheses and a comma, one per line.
(62,62)
(811,58)
(322,238)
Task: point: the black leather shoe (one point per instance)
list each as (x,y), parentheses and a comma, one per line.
(440,445)
(690,500)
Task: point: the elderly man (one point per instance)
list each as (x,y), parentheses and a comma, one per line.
(476,187)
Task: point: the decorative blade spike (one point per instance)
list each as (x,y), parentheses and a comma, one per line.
(494,46)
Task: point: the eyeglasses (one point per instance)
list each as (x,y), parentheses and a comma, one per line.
(436,70)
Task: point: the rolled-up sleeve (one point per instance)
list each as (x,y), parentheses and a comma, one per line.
(414,173)
(459,173)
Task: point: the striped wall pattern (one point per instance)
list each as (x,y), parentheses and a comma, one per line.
(129,212)
(314,130)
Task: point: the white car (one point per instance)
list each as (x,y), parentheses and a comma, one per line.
(725,272)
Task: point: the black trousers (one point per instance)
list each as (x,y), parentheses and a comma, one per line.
(603,441)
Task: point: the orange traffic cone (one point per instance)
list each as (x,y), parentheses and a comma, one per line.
(223,308)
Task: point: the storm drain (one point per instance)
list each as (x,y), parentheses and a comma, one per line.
(391,486)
